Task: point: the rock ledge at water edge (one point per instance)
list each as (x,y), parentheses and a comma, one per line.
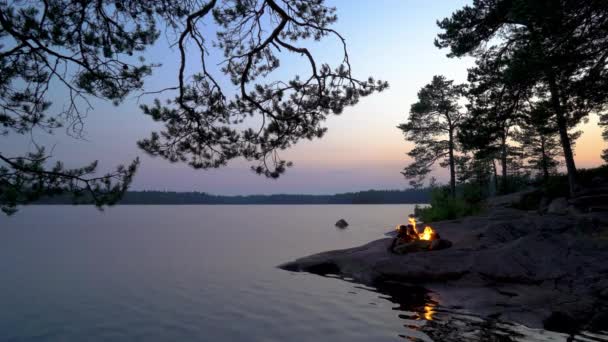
(515,265)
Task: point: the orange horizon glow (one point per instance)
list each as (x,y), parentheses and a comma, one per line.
(386,147)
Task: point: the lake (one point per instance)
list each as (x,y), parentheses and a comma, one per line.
(208,273)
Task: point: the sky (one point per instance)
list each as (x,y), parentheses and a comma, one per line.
(391,40)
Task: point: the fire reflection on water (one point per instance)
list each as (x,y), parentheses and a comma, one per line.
(429,311)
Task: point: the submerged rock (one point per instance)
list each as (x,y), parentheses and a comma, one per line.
(342,223)
(508,263)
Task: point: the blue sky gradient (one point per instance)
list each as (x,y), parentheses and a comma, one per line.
(391,40)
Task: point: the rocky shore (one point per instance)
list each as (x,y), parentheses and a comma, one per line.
(542,270)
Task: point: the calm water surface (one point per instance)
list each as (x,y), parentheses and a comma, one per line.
(208,273)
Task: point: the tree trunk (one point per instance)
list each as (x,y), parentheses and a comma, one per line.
(452,164)
(495,176)
(544,161)
(503,161)
(562,125)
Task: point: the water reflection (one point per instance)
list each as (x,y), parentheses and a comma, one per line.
(429,311)
(426,320)
(451,325)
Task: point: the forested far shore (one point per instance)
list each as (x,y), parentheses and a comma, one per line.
(410,196)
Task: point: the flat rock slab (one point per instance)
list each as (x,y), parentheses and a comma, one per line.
(520,266)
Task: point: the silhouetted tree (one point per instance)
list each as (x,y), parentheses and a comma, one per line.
(497,96)
(560,43)
(539,140)
(604,123)
(432,126)
(206,126)
(86,47)
(473,169)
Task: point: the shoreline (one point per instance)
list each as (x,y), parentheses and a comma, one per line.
(543,271)
(239,204)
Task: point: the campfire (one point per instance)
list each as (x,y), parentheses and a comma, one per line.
(410,239)
(427,234)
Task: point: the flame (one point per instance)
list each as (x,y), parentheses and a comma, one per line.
(427,234)
(412,221)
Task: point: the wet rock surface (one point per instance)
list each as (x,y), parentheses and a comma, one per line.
(538,270)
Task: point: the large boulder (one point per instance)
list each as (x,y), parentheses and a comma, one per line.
(510,200)
(558,206)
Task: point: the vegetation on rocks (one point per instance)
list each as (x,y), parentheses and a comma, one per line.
(538,191)
(444,206)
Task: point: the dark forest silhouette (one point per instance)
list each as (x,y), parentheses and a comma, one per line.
(409,196)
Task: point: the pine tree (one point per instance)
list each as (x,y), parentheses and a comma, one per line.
(604,123)
(539,140)
(432,126)
(559,43)
(498,94)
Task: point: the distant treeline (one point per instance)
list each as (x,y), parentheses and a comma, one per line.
(170,197)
